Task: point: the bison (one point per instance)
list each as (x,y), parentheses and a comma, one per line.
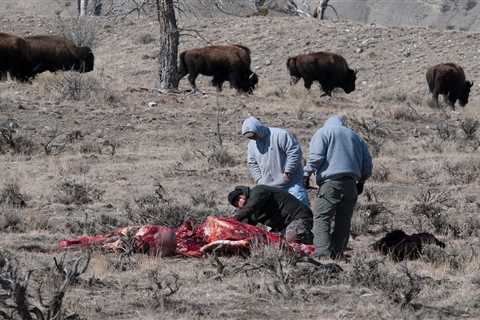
(225,63)
(400,245)
(448,79)
(15,57)
(329,69)
(52,53)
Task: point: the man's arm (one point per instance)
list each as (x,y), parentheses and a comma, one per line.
(317,153)
(293,151)
(252,164)
(367,164)
(253,208)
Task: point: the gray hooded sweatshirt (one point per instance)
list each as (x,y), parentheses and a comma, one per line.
(336,151)
(274,153)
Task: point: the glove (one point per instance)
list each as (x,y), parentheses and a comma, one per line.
(360,187)
(306,182)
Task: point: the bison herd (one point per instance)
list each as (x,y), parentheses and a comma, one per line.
(232,63)
(26,57)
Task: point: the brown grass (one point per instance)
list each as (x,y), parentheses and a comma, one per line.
(117,151)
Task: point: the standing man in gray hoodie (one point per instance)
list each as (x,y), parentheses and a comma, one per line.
(341,162)
(275,158)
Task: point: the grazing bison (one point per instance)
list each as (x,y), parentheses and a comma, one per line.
(448,79)
(52,53)
(400,245)
(15,57)
(329,69)
(225,63)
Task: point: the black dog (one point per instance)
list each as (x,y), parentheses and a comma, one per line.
(400,245)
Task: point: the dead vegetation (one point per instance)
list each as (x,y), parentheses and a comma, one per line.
(86,154)
(17,298)
(75,191)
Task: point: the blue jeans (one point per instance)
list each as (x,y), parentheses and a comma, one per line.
(299,192)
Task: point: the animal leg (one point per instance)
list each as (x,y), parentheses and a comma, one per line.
(191,79)
(435,99)
(235,81)
(451,100)
(307,83)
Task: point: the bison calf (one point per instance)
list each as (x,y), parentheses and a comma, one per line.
(225,63)
(329,69)
(400,245)
(15,57)
(448,79)
(52,53)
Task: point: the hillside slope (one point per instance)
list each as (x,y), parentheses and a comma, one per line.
(102,150)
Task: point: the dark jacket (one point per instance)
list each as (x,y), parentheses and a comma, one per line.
(272,207)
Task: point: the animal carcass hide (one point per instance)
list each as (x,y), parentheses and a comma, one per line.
(214,233)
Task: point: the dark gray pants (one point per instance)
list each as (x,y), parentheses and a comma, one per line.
(334,203)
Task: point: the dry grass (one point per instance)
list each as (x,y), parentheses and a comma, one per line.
(87,185)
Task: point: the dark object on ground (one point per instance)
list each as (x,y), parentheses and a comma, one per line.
(329,69)
(53,53)
(225,63)
(15,57)
(448,79)
(400,245)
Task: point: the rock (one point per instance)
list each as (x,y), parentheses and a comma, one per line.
(359,50)
(152,104)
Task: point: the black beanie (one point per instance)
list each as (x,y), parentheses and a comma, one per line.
(232,196)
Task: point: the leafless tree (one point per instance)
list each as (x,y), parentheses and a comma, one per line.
(291,7)
(169,35)
(82,7)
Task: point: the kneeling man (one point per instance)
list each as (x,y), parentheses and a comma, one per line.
(274,208)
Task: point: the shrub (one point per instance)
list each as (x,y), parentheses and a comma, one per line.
(146,38)
(470,128)
(220,157)
(206,199)
(154,209)
(71,191)
(401,288)
(380,173)
(404,113)
(10,219)
(81,30)
(446,131)
(463,172)
(10,195)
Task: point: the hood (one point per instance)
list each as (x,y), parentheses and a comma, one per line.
(335,121)
(251,124)
(237,192)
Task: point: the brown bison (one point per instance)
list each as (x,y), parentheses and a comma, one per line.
(448,79)
(15,57)
(329,69)
(225,63)
(52,53)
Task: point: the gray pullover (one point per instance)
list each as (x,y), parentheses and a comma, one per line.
(276,152)
(337,151)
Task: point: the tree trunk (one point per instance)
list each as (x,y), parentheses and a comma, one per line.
(97,7)
(168,44)
(83,7)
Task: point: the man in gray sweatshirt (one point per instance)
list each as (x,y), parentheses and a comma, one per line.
(341,162)
(275,158)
